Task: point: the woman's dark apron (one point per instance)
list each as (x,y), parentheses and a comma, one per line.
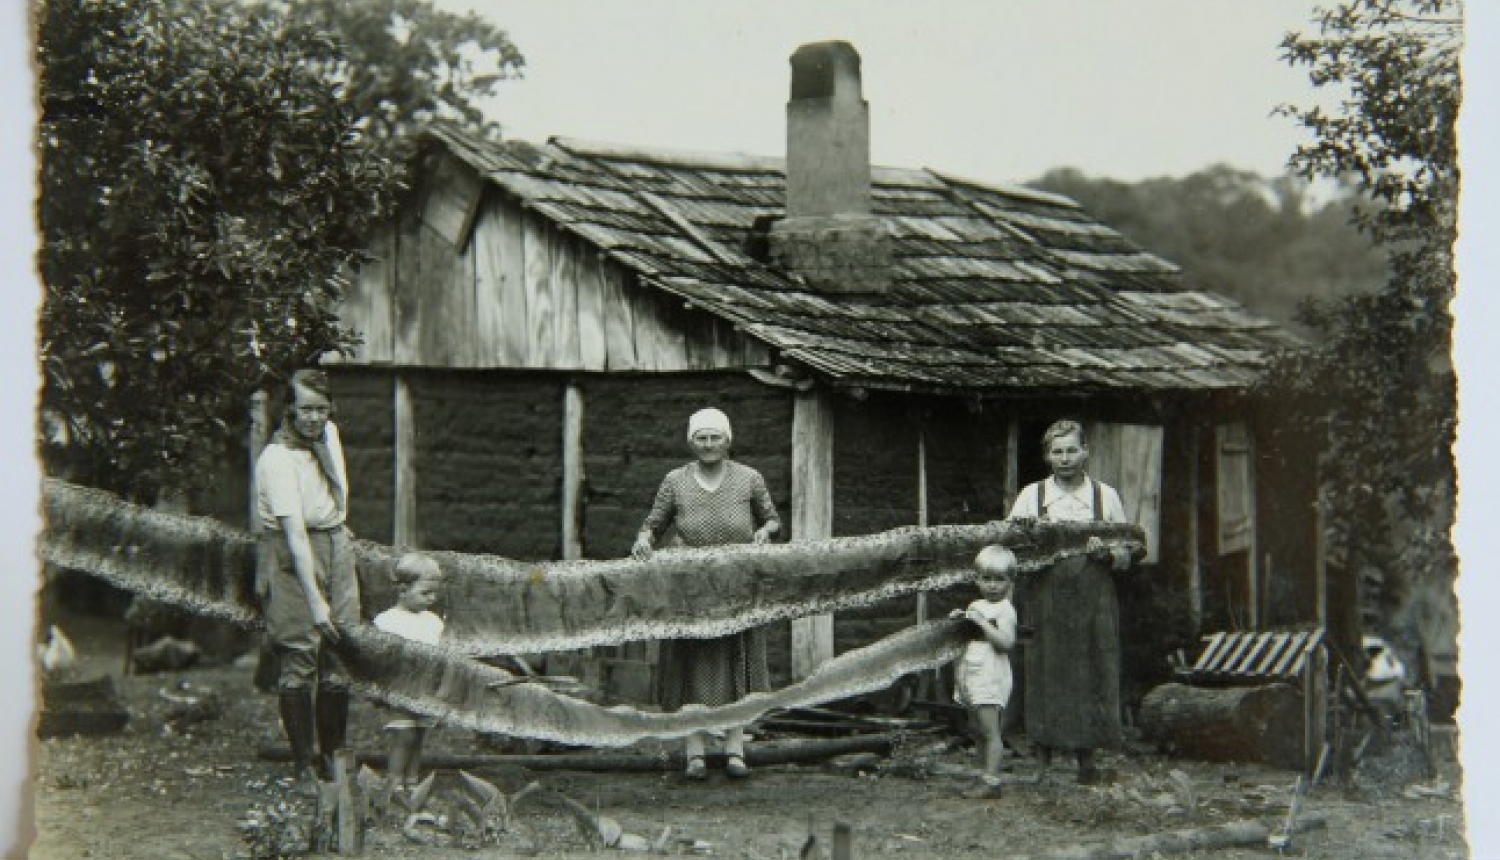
(1072,660)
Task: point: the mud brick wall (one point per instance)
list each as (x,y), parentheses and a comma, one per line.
(489,462)
(363,398)
(635,432)
(876,463)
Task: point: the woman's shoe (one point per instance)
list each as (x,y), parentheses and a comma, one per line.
(696,769)
(736,768)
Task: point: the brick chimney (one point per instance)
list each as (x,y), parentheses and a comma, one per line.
(829,235)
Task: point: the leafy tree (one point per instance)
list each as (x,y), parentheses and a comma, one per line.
(1263,242)
(1381,392)
(209,174)
(204,188)
(406,63)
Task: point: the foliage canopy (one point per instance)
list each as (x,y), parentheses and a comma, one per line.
(1381,391)
(208,179)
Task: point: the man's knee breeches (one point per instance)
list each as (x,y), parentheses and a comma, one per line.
(305,666)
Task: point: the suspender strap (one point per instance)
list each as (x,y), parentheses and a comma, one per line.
(1041,499)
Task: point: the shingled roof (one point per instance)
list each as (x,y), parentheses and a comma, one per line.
(996,288)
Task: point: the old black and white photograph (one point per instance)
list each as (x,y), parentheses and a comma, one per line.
(768,431)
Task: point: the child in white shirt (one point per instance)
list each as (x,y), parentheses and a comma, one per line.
(421,582)
(982,676)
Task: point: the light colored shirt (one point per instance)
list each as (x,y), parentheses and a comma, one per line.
(1074,506)
(290,483)
(423,626)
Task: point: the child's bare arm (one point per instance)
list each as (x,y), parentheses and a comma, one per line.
(1001,640)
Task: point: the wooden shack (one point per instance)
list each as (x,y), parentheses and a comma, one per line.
(889,344)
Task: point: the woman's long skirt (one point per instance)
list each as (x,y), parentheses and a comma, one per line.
(713,671)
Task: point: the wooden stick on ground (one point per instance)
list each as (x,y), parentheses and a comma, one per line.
(756,755)
(1175,841)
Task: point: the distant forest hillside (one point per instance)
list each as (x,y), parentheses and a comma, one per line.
(1266,243)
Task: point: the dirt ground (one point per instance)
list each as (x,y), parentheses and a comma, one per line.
(162,792)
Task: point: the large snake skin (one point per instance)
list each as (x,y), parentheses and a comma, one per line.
(498,606)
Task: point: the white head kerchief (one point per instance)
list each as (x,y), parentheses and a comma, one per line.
(708,419)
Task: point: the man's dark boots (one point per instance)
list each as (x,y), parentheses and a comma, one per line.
(333,725)
(297,722)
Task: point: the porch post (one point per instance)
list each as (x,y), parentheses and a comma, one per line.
(404,505)
(922,508)
(1194,554)
(572,472)
(1012,462)
(812,514)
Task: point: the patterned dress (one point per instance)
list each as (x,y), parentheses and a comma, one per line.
(712,671)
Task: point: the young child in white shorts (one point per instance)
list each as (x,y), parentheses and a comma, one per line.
(421,582)
(982,676)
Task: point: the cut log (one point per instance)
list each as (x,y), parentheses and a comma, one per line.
(1260,724)
(89,707)
(1174,841)
(756,755)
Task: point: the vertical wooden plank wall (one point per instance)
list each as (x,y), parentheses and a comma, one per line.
(812,514)
(566,254)
(1234,455)
(367,308)
(593,345)
(1128,457)
(619,321)
(500,278)
(540,298)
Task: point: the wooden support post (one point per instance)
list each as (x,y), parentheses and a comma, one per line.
(812,514)
(1320,562)
(1315,700)
(404,531)
(572,472)
(1252,556)
(1012,463)
(260,434)
(922,509)
(1194,552)
(928,681)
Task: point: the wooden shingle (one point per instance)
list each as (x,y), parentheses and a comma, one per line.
(995,287)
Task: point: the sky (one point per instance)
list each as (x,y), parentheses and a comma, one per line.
(1002,90)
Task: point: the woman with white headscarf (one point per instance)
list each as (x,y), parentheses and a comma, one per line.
(710,502)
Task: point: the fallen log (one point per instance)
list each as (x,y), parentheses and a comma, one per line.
(1260,723)
(1226,835)
(765,754)
(501,606)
